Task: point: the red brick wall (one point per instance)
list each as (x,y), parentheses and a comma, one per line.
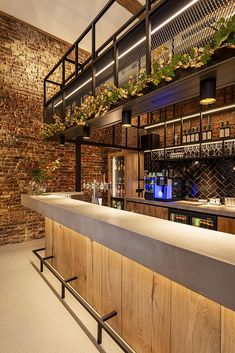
(27,56)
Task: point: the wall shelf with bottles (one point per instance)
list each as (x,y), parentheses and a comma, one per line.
(207,133)
(214,149)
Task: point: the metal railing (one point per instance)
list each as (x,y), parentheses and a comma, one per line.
(179,25)
(101,320)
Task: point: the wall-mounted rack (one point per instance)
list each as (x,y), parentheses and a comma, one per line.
(208,149)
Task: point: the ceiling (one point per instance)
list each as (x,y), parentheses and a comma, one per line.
(66,19)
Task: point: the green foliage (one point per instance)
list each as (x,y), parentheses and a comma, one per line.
(224,32)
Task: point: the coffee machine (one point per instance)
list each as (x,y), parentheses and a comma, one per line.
(163,186)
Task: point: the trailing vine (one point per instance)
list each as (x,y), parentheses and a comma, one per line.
(164,67)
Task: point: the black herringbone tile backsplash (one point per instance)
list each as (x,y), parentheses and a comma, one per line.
(201,179)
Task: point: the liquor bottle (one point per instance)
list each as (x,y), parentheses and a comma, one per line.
(221,131)
(227,130)
(209,133)
(176,140)
(197,135)
(188,136)
(204,134)
(185,136)
(192,138)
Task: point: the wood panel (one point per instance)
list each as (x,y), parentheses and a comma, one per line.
(111,286)
(145,313)
(154,314)
(161,314)
(93,261)
(136,305)
(227,331)
(195,322)
(48,237)
(161,212)
(149,210)
(130,206)
(226,225)
(79,249)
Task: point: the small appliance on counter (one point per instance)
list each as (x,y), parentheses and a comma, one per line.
(162,186)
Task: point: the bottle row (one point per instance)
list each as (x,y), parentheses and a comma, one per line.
(119,165)
(119,191)
(193,135)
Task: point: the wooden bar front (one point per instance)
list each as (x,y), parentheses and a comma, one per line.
(155,314)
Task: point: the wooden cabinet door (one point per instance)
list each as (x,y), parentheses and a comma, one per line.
(161,212)
(149,210)
(226,225)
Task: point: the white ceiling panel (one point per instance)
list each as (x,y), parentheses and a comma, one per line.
(66,19)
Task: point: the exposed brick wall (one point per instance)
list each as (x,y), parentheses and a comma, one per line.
(27,55)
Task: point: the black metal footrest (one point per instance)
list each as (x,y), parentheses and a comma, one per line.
(104,318)
(101,321)
(63,287)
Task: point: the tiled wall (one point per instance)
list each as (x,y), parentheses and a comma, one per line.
(205,178)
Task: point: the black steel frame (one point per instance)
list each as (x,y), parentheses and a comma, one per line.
(101,321)
(111,42)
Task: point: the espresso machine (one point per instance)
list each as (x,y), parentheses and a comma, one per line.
(162,186)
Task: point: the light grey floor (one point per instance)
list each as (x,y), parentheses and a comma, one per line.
(32,317)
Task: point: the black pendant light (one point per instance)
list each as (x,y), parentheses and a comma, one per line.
(208,91)
(62,139)
(126,118)
(86,133)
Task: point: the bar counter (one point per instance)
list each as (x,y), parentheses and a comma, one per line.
(189,206)
(199,259)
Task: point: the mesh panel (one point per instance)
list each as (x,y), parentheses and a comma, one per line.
(191,28)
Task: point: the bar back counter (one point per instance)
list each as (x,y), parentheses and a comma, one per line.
(172,285)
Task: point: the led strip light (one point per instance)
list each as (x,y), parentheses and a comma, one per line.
(191,3)
(226,107)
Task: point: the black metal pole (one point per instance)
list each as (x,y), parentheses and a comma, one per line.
(148,36)
(116,63)
(93,34)
(78,167)
(76,59)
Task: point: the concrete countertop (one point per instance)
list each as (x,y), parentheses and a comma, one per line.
(200,259)
(222,210)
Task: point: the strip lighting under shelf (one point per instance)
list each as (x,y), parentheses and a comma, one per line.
(169,19)
(210,111)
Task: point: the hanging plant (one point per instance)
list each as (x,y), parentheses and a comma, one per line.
(51,129)
(164,66)
(224,33)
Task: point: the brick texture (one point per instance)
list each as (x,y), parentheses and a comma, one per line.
(26,57)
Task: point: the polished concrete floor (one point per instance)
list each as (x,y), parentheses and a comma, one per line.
(33,319)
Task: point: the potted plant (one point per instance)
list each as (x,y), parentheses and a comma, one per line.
(40,171)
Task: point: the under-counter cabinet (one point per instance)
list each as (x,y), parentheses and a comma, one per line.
(147,210)
(225,224)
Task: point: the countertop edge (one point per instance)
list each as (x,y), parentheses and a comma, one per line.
(207,209)
(207,276)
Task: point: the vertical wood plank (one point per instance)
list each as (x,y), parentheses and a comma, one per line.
(94,256)
(136,305)
(79,250)
(226,225)
(48,237)
(111,286)
(227,330)
(161,314)
(195,322)
(58,235)
(161,212)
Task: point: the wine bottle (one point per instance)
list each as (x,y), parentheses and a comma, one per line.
(209,133)
(227,130)
(221,131)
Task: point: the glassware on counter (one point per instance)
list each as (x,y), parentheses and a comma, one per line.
(229,201)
